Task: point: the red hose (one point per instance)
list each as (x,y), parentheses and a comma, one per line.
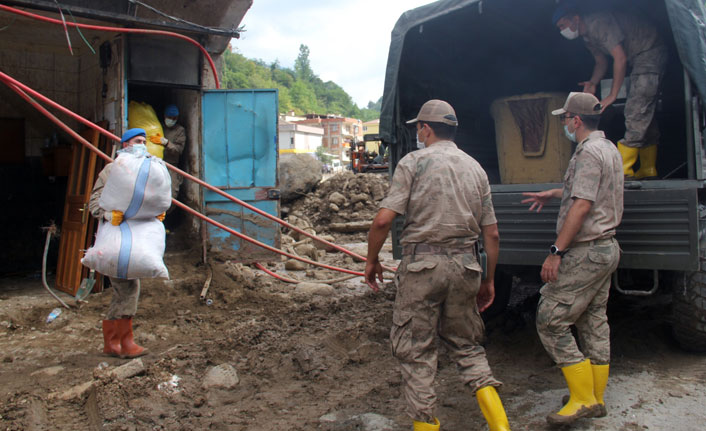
(119,30)
(274,274)
(83,141)
(8,79)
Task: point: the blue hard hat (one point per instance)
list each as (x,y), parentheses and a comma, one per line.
(131,133)
(171,111)
(565,8)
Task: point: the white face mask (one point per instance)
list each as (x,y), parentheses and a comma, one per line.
(569,33)
(138,150)
(170,122)
(420,144)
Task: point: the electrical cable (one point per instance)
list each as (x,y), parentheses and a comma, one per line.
(177,19)
(50,230)
(120,30)
(80,33)
(202,183)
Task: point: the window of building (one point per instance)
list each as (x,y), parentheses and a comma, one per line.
(334,142)
(333,127)
(291,142)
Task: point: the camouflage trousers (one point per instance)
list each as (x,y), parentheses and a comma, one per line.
(640,126)
(436,294)
(579,297)
(125,296)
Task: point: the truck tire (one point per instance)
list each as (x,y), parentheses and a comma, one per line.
(689,311)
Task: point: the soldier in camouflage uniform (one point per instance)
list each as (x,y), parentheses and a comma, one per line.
(630,41)
(445,197)
(578,269)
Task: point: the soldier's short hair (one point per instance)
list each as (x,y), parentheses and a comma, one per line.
(442,130)
(590,121)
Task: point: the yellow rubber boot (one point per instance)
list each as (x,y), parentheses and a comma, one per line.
(582,402)
(629,155)
(424,426)
(492,409)
(648,160)
(600,381)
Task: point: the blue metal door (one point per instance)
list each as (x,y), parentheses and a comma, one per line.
(239,154)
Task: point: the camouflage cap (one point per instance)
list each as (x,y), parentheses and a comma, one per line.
(436,111)
(581,104)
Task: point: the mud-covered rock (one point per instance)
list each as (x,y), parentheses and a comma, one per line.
(311,289)
(337,199)
(295,265)
(298,174)
(221,376)
(307,250)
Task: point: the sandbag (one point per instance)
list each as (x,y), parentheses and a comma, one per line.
(142,115)
(138,186)
(135,249)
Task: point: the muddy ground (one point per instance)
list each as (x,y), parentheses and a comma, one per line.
(304,358)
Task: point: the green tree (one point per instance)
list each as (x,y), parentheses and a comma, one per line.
(302,66)
(322,156)
(300,89)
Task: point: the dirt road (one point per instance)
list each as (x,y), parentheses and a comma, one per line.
(304,360)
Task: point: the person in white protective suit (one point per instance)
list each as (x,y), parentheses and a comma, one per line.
(118,337)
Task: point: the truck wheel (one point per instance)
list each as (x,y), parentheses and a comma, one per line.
(503,290)
(689,311)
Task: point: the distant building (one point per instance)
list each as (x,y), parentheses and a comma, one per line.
(371,127)
(299,138)
(339,133)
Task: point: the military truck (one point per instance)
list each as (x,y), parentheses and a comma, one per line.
(483,56)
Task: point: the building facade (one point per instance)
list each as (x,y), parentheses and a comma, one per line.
(339,133)
(299,139)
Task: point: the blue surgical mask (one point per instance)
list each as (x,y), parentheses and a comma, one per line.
(571,136)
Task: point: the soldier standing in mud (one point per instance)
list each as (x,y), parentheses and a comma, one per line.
(445,197)
(629,41)
(578,269)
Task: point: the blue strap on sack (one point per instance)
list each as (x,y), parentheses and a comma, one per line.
(138,195)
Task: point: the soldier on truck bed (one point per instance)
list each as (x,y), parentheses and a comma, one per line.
(630,41)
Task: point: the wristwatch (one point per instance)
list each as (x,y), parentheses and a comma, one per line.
(556,252)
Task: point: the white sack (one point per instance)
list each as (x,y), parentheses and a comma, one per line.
(143,249)
(122,184)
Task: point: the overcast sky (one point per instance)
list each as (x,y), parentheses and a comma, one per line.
(348,40)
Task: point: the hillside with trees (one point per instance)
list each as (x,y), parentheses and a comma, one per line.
(300,89)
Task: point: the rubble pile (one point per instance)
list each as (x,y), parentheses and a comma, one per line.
(344,203)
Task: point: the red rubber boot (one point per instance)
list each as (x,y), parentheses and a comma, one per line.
(128,348)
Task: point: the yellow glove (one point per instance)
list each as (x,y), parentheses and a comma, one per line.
(161,216)
(116,218)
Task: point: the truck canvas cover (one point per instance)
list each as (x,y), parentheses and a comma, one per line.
(686,17)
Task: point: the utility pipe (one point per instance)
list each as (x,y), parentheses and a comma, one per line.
(118,30)
(8,79)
